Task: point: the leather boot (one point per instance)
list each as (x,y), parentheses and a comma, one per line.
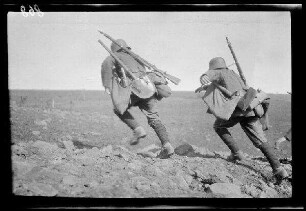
(166,151)
(160,131)
(138,133)
(234,157)
(278,171)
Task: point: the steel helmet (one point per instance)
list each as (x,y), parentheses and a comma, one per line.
(121,42)
(217,63)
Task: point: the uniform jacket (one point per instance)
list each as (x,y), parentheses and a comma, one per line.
(218,104)
(110,73)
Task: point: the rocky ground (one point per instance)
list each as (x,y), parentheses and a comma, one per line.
(50,160)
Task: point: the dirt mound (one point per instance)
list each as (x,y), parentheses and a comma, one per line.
(78,154)
(45,169)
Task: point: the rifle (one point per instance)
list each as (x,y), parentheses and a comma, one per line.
(221,88)
(171,78)
(236,62)
(139,87)
(124,80)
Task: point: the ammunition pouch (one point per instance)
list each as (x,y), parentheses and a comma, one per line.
(162,89)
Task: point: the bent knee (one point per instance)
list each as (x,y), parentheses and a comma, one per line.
(153,122)
(219,129)
(259,143)
(152,119)
(116,112)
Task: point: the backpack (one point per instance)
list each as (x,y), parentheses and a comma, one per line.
(162,88)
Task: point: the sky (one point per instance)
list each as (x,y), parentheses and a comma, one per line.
(60,50)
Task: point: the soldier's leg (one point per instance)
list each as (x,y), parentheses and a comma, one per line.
(128,119)
(131,122)
(220,126)
(149,108)
(253,130)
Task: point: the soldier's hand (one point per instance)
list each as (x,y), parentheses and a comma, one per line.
(278,142)
(198,90)
(107,90)
(204,80)
(201,88)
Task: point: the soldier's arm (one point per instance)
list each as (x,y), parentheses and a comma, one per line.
(210,76)
(107,72)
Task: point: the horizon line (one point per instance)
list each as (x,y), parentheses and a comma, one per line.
(19,89)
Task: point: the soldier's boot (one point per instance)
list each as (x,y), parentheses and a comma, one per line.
(161,131)
(138,134)
(234,157)
(279,172)
(130,121)
(236,154)
(166,151)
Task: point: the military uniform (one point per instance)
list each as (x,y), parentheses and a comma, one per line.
(125,99)
(286,137)
(248,120)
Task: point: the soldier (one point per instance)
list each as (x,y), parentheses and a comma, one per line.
(286,137)
(110,69)
(249,120)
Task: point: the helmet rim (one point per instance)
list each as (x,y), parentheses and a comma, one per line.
(217,63)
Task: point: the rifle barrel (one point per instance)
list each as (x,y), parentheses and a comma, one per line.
(236,61)
(143,61)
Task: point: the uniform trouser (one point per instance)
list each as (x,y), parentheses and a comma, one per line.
(149,108)
(253,129)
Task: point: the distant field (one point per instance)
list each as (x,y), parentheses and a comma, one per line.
(184,115)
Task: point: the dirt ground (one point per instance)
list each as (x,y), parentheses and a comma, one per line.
(78,148)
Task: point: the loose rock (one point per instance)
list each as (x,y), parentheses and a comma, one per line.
(41,123)
(41,189)
(36,133)
(183,149)
(69,145)
(69,180)
(225,189)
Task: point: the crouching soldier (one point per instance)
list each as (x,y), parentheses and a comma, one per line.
(230,113)
(286,137)
(124,98)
